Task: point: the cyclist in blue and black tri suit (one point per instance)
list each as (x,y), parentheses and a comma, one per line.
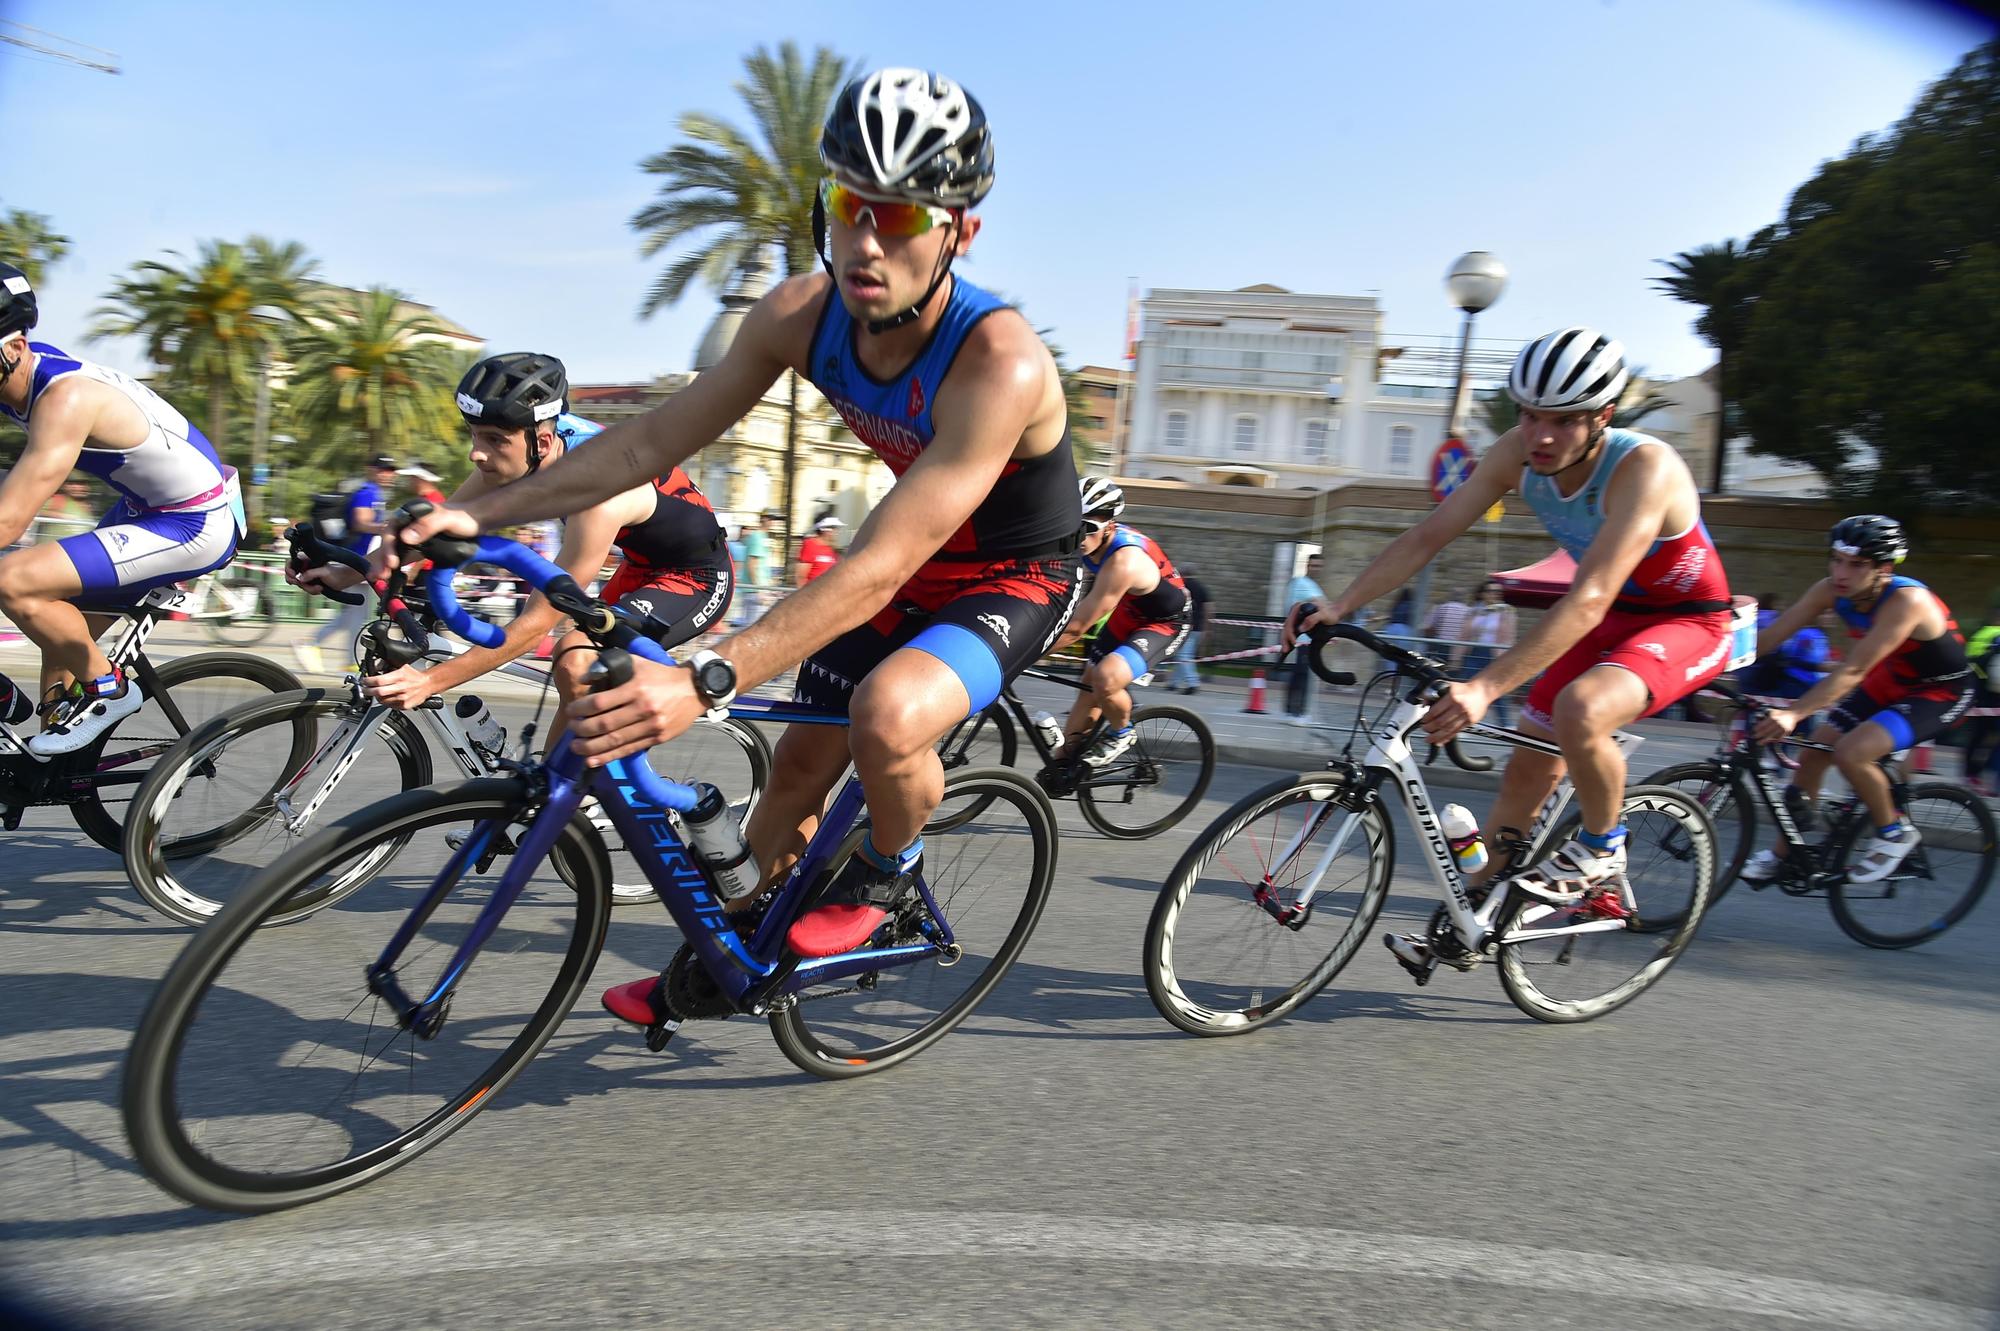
(179,515)
(1135,585)
(962,575)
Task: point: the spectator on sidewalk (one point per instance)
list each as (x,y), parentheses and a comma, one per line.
(1298,691)
(1982,749)
(1445,624)
(368,510)
(816,552)
(1488,627)
(1400,616)
(1187,679)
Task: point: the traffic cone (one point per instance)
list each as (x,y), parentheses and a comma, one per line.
(546,648)
(1255,704)
(1920,758)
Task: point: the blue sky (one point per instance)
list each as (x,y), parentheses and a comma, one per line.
(483,158)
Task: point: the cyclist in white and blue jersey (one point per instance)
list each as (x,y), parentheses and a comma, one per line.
(179,514)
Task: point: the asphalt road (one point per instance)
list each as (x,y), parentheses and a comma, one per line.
(1790,1130)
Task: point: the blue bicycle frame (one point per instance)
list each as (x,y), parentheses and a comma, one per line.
(754,971)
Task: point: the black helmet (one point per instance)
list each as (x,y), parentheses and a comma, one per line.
(906,133)
(1874,537)
(17,301)
(516,391)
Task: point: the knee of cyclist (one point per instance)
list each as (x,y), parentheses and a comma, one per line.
(1582,713)
(887,731)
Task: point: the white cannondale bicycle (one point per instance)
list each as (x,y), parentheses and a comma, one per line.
(1270,902)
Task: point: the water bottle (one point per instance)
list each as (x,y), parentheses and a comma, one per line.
(1461,832)
(718,843)
(1050,730)
(15,704)
(480,727)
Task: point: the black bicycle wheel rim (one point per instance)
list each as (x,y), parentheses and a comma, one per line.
(1166,738)
(1178,980)
(792,1026)
(1852,903)
(959,751)
(103,821)
(1733,813)
(150,1095)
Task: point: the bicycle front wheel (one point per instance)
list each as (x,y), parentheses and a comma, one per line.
(245,618)
(1731,809)
(196,688)
(1229,947)
(1556,975)
(1155,783)
(267,1073)
(1935,886)
(243,789)
(990,876)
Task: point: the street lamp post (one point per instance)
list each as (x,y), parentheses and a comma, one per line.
(1474,283)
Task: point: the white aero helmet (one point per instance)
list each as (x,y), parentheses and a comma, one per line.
(907,133)
(1102,501)
(1573,369)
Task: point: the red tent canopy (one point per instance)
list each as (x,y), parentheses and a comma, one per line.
(1539,585)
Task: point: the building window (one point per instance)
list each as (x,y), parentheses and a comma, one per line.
(1177,430)
(1246,434)
(1402,438)
(1313,446)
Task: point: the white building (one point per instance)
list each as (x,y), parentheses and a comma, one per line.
(1270,387)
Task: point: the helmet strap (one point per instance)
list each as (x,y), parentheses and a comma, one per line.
(876,326)
(8,365)
(1590,450)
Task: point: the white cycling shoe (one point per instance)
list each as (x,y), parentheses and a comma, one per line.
(1763,868)
(1881,857)
(86,719)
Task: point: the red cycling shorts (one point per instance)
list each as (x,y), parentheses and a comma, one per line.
(1673,655)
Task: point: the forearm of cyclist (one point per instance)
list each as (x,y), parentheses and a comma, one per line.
(1893,626)
(528,628)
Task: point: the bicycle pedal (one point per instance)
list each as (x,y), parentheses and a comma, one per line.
(1420,971)
(10,816)
(658,1034)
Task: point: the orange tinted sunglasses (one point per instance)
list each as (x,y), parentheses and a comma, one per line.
(889,217)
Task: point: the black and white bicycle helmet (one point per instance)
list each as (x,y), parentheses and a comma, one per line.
(1572,369)
(1872,536)
(517,391)
(18,311)
(1102,500)
(910,134)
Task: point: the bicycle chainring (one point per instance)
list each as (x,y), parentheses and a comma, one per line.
(691,991)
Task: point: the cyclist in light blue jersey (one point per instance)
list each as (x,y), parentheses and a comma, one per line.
(179,515)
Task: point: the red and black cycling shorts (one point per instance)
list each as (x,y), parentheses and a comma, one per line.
(1140,646)
(1910,718)
(986,621)
(1673,655)
(688,600)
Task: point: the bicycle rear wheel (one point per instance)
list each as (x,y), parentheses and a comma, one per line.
(1219,959)
(985,739)
(245,620)
(1731,809)
(990,876)
(1935,887)
(241,790)
(197,688)
(265,1074)
(1155,783)
(1563,977)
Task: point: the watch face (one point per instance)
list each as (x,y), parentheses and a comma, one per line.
(717,678)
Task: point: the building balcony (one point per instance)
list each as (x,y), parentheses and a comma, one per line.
(1301,383)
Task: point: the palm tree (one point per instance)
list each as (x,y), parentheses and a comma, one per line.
(216,323)
(1711,277)
(735,195)
(27,242)
(367,379)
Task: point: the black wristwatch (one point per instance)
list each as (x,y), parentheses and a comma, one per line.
(715,681)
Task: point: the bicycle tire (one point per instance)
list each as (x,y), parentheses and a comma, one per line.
(1522,960)
(154,734)
(984,739)
(817,1051)
(174,874)
(155,1088)
(1731,806)
(246,628)
(1148,756)
(1846,899)
(1176,976)
(629,884)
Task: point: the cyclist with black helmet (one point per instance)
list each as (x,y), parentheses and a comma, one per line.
(1132,581)
(676,562)
(960,577)
(1906,679)
(179,514)
(1644,623)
